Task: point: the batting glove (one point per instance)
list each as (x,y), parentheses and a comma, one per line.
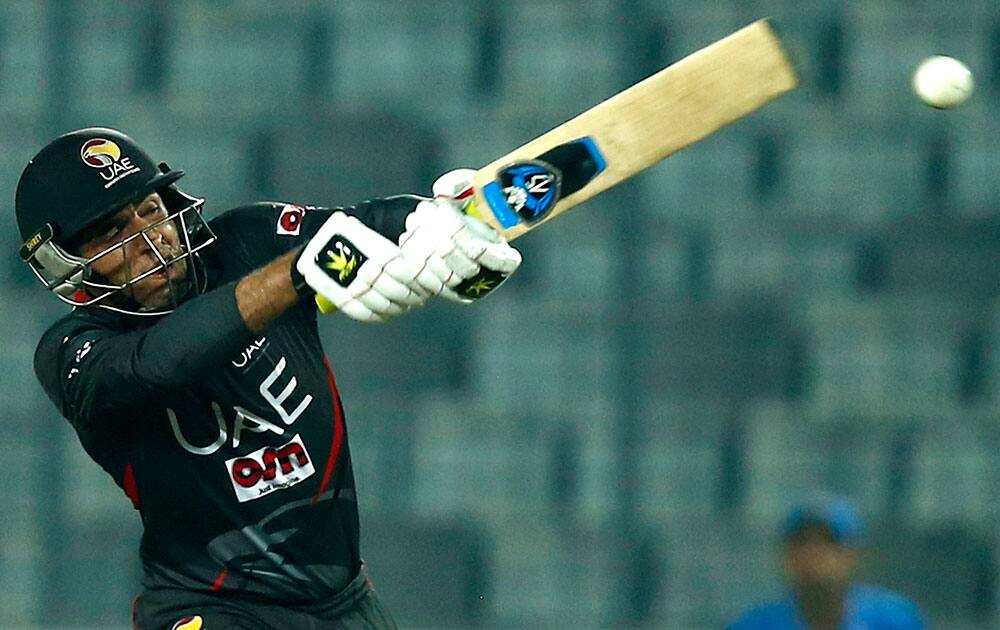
(457,256)
(362,273)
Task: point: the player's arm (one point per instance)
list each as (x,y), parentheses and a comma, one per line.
(90,369)
(454,255)
(265,294)
(352,265)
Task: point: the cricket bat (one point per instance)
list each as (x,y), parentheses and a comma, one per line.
(629,132)
(633,130)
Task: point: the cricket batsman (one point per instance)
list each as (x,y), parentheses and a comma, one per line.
(191,368)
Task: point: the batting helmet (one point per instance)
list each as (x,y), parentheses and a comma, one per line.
(75,181)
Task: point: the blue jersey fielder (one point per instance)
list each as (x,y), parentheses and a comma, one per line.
(865,608)
(820,541)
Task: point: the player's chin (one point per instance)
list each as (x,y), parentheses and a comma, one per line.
(152,291)
(176,270)
(164,294)
(161,289)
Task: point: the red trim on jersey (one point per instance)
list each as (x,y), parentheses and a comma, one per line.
(135,613)
(217,584)
(130,486)
(338,433)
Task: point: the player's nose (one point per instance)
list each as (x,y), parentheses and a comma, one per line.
(147,241)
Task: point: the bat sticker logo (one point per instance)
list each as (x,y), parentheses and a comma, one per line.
(531,189)
(528,190)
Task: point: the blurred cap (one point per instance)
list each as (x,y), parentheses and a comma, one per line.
(834,512)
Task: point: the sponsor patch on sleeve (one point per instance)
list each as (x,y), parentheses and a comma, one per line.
(82,351)
(290,220)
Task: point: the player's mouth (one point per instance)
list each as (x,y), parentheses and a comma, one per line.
(170,272)
(155,288)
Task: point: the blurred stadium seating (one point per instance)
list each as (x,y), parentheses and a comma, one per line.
(806,301)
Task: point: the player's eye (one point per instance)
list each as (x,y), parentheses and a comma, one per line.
(112,232)
(151,209)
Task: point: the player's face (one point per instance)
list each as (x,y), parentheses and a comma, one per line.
(136,257)
(815,560)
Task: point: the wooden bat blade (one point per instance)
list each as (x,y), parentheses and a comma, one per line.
(634,129)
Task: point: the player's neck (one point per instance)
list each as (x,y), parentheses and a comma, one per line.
(822,609)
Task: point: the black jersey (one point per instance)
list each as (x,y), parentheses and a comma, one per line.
(231,445)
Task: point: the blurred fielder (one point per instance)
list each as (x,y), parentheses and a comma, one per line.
(820,556)
(191,368)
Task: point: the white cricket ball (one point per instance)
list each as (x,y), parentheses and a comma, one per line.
(942,82)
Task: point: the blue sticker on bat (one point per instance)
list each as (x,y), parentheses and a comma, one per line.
(524,191)
(528,190)
(595,155)
(498,204)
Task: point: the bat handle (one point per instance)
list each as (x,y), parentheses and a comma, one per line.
(325,306)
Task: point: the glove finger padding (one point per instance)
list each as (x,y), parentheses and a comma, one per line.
(404,272)
(418,247)
(356,310)
(428,245)
(451,296)
(455,187)
(386,283)
(496,258)
(483,282)
(486,247)
(357,269)
(460,263)
(380,304)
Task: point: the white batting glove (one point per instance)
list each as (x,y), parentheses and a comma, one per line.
(360,271)
(457,256)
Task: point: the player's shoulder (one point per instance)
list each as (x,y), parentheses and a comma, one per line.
(71,330)
(882,604)
(772,615)
(70,325)
(279,214)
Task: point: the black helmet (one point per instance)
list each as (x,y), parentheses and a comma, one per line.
(82,177)
(78,179)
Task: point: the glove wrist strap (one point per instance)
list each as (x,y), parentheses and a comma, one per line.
(302,289)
